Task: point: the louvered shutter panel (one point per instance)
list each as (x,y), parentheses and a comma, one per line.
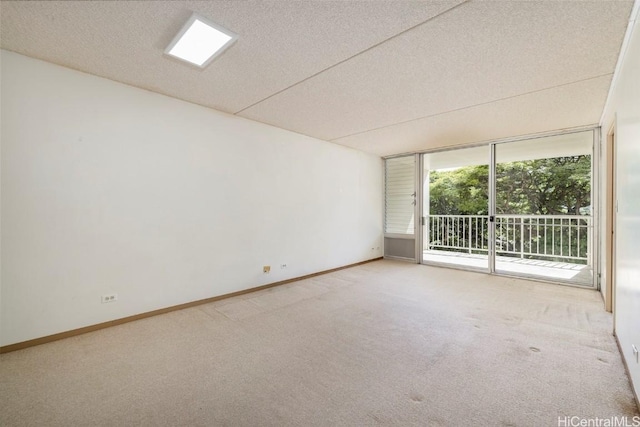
(399,195)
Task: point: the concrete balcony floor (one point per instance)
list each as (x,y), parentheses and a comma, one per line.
(579,274)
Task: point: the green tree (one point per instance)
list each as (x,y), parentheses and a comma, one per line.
(463,191)
(556,186)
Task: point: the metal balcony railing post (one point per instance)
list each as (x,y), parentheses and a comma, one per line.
(522,238)
(470,234)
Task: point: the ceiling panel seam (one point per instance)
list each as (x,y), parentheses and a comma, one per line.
(471,106)
(353,56)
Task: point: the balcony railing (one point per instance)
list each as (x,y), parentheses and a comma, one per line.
(562,238)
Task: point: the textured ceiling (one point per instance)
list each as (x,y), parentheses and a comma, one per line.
(380,76)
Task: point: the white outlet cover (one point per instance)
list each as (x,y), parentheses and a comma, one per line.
(109,298)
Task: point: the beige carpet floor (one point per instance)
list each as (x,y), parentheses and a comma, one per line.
(385,343)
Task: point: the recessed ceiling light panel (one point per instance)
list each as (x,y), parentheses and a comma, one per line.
(200,41)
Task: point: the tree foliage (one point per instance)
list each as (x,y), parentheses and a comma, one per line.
(555,186)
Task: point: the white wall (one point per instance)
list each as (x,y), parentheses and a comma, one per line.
(107,188)
(624,107)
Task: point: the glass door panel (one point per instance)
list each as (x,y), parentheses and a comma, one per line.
(543,208)
(455,210)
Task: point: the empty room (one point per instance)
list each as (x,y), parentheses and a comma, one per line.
(319,213)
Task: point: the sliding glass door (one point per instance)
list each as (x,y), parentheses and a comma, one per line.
(456,208)
(516,208)
(543,208)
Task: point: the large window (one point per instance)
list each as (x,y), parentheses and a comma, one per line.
(513,207)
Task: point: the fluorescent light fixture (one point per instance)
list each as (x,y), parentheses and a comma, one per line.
(199,41)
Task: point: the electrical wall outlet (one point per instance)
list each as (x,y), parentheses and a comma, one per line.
(109,298)
(283,266)
(266,269)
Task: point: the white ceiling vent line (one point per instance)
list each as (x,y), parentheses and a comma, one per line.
(466,107)
(369,48)
(200,41)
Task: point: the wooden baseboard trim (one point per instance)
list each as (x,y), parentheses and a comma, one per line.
(626,368)
(91,328)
